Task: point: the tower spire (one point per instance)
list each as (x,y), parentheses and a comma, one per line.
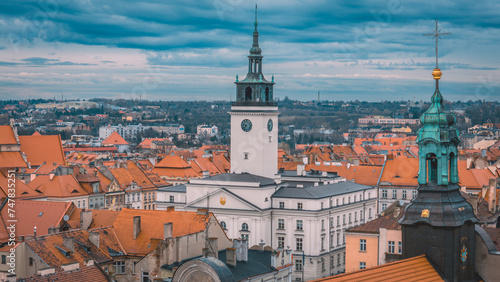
(436,73)
(255,23)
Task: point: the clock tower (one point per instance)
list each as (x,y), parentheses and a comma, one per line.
(254,119)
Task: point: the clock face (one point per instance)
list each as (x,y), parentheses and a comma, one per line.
(246,125)
(269,125)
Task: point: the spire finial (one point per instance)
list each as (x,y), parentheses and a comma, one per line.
(255,23)
(436,73)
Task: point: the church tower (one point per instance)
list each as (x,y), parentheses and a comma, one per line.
(439,222)
(254,119)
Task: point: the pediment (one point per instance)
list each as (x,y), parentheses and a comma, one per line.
(223,199)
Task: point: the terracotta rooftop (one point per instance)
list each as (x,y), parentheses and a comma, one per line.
(42,214)
(7,136)
(11,160)
(22,190)
(373,226)
(52,151)
(84,274)
(60,186)
(173,162)
(400,171)
(412,269)
(100,218)
(366,175)
(114,139)
(152,226)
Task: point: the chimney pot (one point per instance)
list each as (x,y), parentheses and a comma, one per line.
(167,231)
(69,243)
(231,256)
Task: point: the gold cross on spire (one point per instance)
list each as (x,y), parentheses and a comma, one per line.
(437,34)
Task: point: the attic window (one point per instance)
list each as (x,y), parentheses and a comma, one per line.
(24,193)
(40,214)
(397,176)
(74,191)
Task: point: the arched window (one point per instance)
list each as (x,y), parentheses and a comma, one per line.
(244,226)
(223,225)
(431,162)
(267,94)
(248,94)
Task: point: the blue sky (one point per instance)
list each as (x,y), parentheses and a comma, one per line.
(183,50)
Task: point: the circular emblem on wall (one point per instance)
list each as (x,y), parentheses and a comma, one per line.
(270,125)
(246,125)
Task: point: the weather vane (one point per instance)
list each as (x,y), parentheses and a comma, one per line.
(437,34)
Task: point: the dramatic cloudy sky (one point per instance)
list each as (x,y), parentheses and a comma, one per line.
(192,49)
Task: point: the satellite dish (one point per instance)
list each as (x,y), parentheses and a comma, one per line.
(66,217)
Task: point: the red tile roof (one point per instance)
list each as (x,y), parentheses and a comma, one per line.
(43,148)
(152,226)
(60,186)
(83,274)
(400,171)
(11,160)
(412,269)
(7,136)
(114,139)
(373,226)
(42,214)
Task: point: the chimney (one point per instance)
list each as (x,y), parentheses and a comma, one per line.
(241,247)
(231,257)
(85,219)
(94,238)
(300,169)
(492,197)
(206,173)
(167,231)
(273,259)
(356,162)
(69,243)
(213,248)
(51,176)
(34,231)
(52,230)
(137,227)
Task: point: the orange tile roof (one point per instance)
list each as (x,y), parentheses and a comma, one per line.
(146,143)
(206,165)
(482,176)
(48,248)
(61,186)
(362,174)
(466,177)
(22,190)
(222,162)
(172,162)
(42,214)
(411,269)
(36,133)
(401,171)
(114,139)
(125,176)
(86,273)
(7,136)
(373,226)
(11,160)
(43,148)
(100,218)
(152,227)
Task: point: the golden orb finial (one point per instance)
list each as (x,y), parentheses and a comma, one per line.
(436,73)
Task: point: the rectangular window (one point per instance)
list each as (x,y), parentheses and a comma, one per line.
(323,268)
(400,247)
(404,194)
(281,223)
(414,194)
(331,222)
(362,265)
(298,244)
(119,267)
(343,219)
(338,259)
(336,202)
(362,245)
(145,276)
(384,206)
(4,259)
(394,194)
(172,198)
(355,216)
(299,206)
(370,213)
(384,194)
(299,224)
(322,206)
(322,224)
(338,239)
(338,220)
(391,247)
(322,243)
(281,242)
(282,205)
(298,265)
(331,239)
(350,221)
(331,203)
(31,261)
(332,261)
